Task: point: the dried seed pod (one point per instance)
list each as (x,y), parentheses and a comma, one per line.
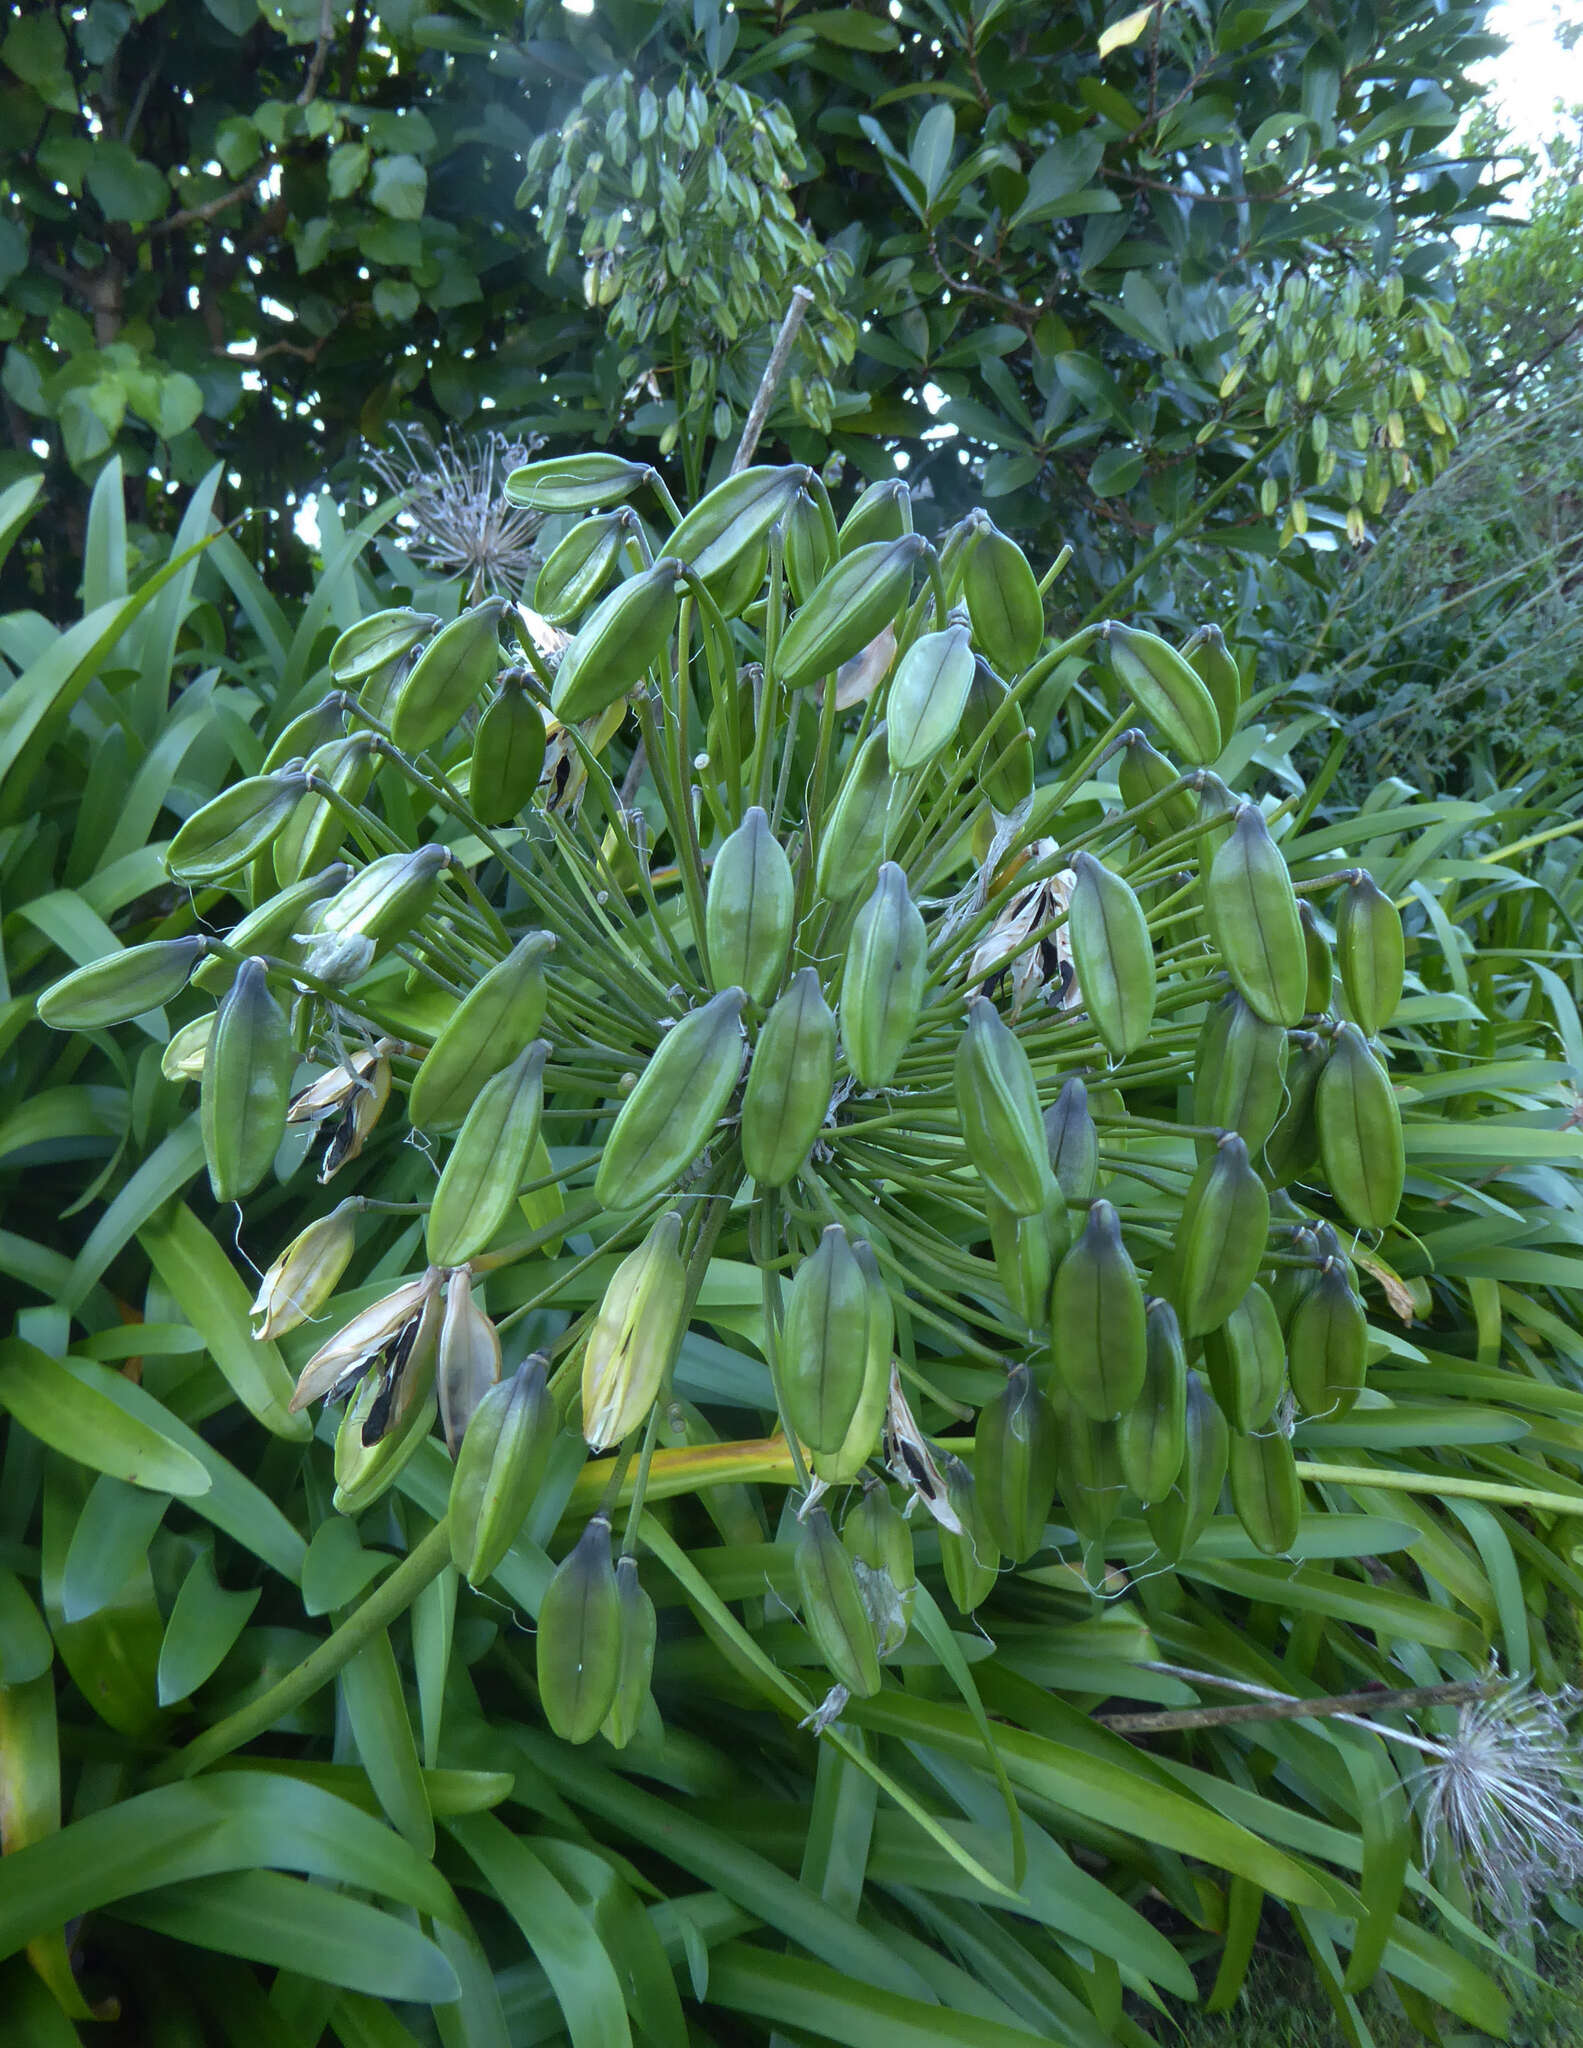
(467,1361)
(305,1275)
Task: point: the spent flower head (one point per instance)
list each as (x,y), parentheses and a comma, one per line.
(456,521)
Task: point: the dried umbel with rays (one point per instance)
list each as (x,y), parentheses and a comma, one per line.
(455,520)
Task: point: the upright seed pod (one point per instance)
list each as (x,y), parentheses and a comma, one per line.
(1245,1360)
(879,1537)
(1216,668)
(508,755)
(500,1465)
(1292,1149)
(1113,955)
(246,1087)
(823,1347)
(855,600)
(852,841)
(1151,1438)
(998,1102)
(750,907)
(579,1637)
(1090,1482)
(1253,920)
(641,1321)
(862,1439)
(1072,1142)
(726,532)
(1147,779)
(467,1364)
(638,1630)
(1003,598)
(494,1023)
(618,643)
(1328,1348)
(881,512)
(1265,1490)
(1360,1132)
(488,1161)
(1179,1518)
(1321,966)
(927,696)
(373,643)
(789,1083)
(833,1608)
(808,538)
(1239,1073)
(1014,1467)
(580,566)
(313,834)
(1098,1325)
(882,984)
(1224,1229)
(670,1115)
(1005,766)
(385,901)
(447,678)
(1372,951)
(1168,693)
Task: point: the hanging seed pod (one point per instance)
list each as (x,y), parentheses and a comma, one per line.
(1253,920)
(467,1363)
(122,986)
(447,678)
(580,566)
(789,1083)
(1014,1468)
(671,1114)
(1360,1132)
(1177,1519)
(1328,1349)
(1212,662)
(385,1331)
(1072,1142)
(823,1347)
(1292,1149)
(305,1275)
(1239,1073)
(1321,967)
(500,1465)
(833,1608)
(879,1538)
(508,756)
(882,512)
(374,643)
(882,985)
(618,644)
(488,1161)
(313,834)
(1151,1438)
(1372,952)
(1090,1485)
(246,1086)
(235,827)
(1097,1320)
(579,1638)
(928,694)
(1113,955)
(346,1104)
(1168,693)
(1245,1360)
(969,1555)
(750,908)
(492,1025)
(1221,1242)
(862,1439)
(727,529)
(271,928)
(641,1321)
(639,1632)
(1146,778)
(1005,767)
(1026,1251)
(1265,1490)
(998,1102)
(387,900)
(808,537)
(852,841)
(855,600)
(1003,598)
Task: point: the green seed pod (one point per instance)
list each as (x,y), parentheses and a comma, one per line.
(305,1275)
(1265,1490)
(789,1083)
(374,643)
(1217,810)
(1239,1073)
(1089,1477)
(928,695)
(1014,1467)
(824,1343)
(386,900)
(1372,952)
(634,1337)
(1321,967)
(309,730)
(186,1050)
(467,1360)
(808,534)
(488,1161)
(1329,1345)
(639,1632)
(447,678)
(969,1556)
(618,644)
(882,512)
(729,526)
(367,1466)
(862,1439)
(1072,1142)
(1151,1438)
(500,1466)
(1005,767)
(833,1608)
(1168,693)
(855,600)
(1113,955)
(492,1025)
(751,906)
(313,834)
(1214,665)
(997,1100)
(1360,1132)
(1003,598)
(235,826)
(579,1639)
(272,927)
(879,1537)
(1177,1519)
(1097,1320)
(1221,1241)
(882,984)
(1026,1251)
(1253,920)
(852,841)
(508,756)
(1292,1149)
(575,483)
(121,986)
(246,1086)
(1146,777)
(581,565)
(670,1115)
(1246,1361)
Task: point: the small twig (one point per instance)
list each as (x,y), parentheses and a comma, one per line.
(1274,1706)
(770,382)
(321,52)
